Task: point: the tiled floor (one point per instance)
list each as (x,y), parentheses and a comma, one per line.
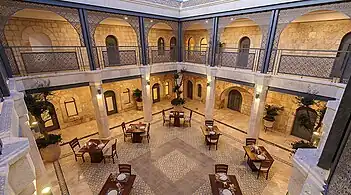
(176,161)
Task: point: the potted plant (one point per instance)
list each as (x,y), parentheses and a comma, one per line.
(271,112)
(40,108)
(137,94)
(178,101)
(301,144)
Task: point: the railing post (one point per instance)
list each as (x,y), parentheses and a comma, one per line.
(270,40)
(5,62)
(143,57)
(86,37)
(214,42)
(180,41)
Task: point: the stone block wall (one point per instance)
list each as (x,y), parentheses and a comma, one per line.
(84,105)
(124,93)
(231,36)
(222,91)
(126,36)
(161,79)
(155,34)
(61,33)
(196,80)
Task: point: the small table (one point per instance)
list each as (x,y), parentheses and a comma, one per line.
(137,130)
(252,156)
(177,116)
(111,184)
(217,185)
(206,131)
(94,147)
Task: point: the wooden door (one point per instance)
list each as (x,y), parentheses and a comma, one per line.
(156,93)
(112,50)
(110,102)
(234,100)
(190,90)
(342,63)
(243,55)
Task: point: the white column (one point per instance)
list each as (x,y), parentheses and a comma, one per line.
(22,112)
(97,97)
(146,93)
(210,92)
(258,104)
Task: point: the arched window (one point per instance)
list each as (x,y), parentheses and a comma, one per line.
(71,107)
(39,42)
(203,46)
(126,96)
(161,46)
(244,48)
(199,90)
(112,50)
(173,49)
(191,44)
(167,88)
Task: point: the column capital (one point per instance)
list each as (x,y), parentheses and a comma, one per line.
(262,79)
(94,76)
(211,71)
(145,70)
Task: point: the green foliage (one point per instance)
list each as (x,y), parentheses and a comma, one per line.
(137,94)
(47,140)
(177,89)
(178,101)
(271,112)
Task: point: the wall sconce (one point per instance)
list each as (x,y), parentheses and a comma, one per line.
(99,93)
(126,18)
(46,191)
(147,82)
(257,96)
(208,83)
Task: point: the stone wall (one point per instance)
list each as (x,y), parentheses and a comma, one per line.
(61,33)
(83,102)
(162,79)
(126,36)
(196,35)
(314,35)
(231,36)
(222,91)
(155,34)
(123,95)
(196,80)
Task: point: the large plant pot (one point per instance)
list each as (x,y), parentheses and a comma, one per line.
(51,153)
(268,124)
(139,105)
(178,108)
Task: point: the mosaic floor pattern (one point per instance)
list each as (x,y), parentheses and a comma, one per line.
(176,161)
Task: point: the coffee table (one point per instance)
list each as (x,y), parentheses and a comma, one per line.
(216,185)
(111,184)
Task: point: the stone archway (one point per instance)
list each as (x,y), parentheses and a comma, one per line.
(298,129)
(234,100)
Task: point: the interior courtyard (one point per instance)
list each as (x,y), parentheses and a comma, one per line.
(174,89)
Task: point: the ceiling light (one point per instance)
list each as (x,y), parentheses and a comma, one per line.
(151,21)
(206,21)
(126,18)
(231,19)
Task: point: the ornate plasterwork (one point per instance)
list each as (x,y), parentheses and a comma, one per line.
(8,8)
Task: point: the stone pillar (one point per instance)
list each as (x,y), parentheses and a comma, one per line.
(25,131)
(97,97)
(146,93)
(210,92)
(258,104)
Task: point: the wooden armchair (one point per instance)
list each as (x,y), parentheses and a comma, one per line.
(111,152)
(209,122)
(263,166)
(125,133)
(187,119)
(221,168)
(75,146)
(248,142)
(125,168)
(165,119)
(147,133)
(212,140)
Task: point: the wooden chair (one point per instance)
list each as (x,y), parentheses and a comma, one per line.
(165,119)
(147,133)
(187,119)
(221,168)
(212,140)
(263,166)
(125,134)
(209,122)
(75,146)
(248,142)
(125,168)
(111,152)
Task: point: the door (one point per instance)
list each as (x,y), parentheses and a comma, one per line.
(342,63)
(243,55)
(302,114)
(112,50)
(190,90)
(156,92)
(50,118)
(234,100)
(173,48)
(110,102)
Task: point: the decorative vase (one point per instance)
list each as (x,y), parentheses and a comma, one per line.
(139,105)
(268,124)
(51,152)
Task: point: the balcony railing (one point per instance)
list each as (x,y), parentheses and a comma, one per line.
(116,56)
(196,55)
(239,58)
(162,55)
(42,59)
(325,64)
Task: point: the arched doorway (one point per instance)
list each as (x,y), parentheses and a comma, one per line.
(342,64)
(110,102)
(161,46)
(243,55)
(234,100)
(173,48)
(199,90)
(112,50)
(50,118)
(190,90)
(299,130)
(156,93)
